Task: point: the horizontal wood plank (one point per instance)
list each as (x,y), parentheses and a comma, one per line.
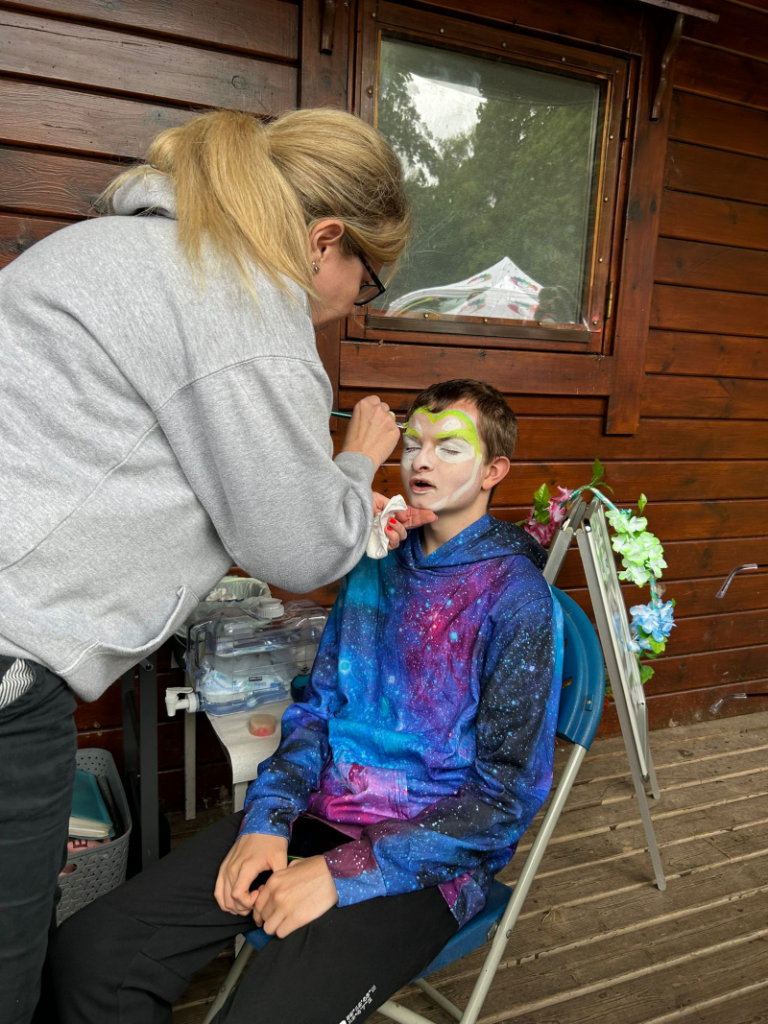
(707,397)
(670,710)
(268,28)
(530,405)
(692,520)
(53,184)
(364,364)
(711,172)
(741,29)
(705,310)
(82,122)
(716,355)
(612,26)
(673,674)
(659,439)
(703,265)
(718,125)
(17,234)
(721,221)
(73,53)
(695,596)
(722,75)
(669,480)
(687,559)
(719,632)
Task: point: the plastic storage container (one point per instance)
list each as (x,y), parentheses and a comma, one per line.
(243,657)
(101,868)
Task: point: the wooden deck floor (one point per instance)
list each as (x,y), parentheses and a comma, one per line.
(597,942)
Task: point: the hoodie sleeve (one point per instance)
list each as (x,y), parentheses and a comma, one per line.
(281,791)
(254,443)
(510,779)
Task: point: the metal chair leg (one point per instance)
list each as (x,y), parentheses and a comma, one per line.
(230,981)
(439,999)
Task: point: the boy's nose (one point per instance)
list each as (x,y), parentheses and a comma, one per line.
(423,461)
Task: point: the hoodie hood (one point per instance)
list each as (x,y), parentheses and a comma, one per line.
(150,192)
(485,539)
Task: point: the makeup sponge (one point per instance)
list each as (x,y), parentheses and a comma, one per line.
(262,725)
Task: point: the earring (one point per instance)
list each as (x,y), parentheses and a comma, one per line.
(315,267)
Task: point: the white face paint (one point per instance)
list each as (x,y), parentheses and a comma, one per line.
(441,459)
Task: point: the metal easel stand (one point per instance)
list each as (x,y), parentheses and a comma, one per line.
(638,752)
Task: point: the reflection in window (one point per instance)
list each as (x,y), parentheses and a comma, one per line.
(500,164)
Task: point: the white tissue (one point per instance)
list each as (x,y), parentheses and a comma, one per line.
(378,545)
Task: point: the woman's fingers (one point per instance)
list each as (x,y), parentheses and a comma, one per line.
(396,533)
(372,431)
(419,517)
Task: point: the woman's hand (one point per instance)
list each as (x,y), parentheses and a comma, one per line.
(250,855)
(295,896)
(401,521)
(372,431)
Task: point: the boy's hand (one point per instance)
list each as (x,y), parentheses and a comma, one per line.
(402,521)
(250,855)
(295,896)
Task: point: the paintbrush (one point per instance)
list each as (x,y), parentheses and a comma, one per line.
(348,416)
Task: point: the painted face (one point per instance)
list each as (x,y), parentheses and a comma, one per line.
(441,459)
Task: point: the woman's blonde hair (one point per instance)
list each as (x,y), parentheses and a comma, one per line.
(255,189)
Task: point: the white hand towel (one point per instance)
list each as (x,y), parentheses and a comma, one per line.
(378,545)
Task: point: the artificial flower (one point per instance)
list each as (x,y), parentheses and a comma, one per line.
(623,521)
(655,619)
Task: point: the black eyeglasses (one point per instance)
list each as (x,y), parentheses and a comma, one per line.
(369,292)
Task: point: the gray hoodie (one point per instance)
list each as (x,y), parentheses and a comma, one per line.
(154,431)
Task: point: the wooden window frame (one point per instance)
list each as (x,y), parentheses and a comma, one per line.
(615,75)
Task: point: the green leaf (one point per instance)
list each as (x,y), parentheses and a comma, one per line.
(657,646)
(541,497)
(642,501)
(598,471)
(646,673)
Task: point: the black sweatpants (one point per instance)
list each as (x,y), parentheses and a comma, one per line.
(126,957)
(38,741)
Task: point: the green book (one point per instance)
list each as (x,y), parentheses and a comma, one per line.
(89,818)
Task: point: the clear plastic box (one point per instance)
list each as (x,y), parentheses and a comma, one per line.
(242,657)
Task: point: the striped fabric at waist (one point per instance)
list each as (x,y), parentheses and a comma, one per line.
(16,680)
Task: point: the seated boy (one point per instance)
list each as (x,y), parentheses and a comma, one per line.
(404,780)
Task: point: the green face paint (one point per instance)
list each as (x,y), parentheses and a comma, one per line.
(458,424)
(441,458)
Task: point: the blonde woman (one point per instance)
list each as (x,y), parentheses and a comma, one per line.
(165,414)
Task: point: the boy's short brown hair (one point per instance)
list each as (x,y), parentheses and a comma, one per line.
(497,425)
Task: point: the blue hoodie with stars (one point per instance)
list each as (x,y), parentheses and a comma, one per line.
(427,731)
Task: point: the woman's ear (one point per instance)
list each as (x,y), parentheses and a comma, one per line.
(495,472)
(324,235)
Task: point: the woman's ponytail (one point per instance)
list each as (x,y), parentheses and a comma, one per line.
(252,190)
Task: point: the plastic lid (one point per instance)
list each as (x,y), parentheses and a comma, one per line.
(270,608)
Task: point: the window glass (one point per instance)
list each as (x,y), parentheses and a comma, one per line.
(501,166)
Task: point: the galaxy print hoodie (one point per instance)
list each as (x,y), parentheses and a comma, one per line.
(427,732)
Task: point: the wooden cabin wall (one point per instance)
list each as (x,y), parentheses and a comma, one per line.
(706,385)
(84,86)
(700,453)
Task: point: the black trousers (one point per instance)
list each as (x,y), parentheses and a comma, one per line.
(37,771)
(126,957)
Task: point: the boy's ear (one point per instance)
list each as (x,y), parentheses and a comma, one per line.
(495,472)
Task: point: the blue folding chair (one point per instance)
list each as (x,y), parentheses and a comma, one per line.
(581,705)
